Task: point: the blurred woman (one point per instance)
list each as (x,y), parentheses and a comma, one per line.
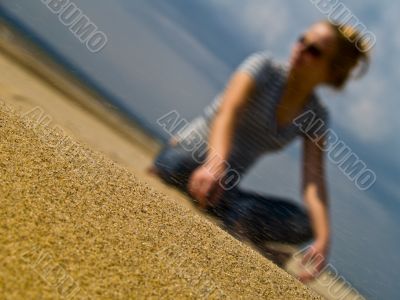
(263,108)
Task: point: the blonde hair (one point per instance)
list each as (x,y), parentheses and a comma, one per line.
(352,50)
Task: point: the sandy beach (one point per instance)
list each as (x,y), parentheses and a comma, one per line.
(74,222)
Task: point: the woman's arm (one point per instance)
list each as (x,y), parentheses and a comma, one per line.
(235,97)
(315,196)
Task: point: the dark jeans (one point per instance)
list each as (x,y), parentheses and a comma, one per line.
(259,218)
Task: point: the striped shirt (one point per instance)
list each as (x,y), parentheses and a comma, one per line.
(256,132)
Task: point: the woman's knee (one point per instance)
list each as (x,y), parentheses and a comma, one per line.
(272,219)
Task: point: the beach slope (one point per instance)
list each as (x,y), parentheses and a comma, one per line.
(75,224)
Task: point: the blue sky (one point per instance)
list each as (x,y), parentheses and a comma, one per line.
(165,55)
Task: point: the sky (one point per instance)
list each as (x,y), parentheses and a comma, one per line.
(165,55)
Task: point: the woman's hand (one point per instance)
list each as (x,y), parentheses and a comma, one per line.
(317,256)
(204,186)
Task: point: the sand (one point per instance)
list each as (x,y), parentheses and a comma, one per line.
(74,223)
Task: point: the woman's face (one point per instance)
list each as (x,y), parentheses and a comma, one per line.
(313,52)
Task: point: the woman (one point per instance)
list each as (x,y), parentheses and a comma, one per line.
(257,114)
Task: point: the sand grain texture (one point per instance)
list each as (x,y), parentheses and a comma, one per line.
(74,223)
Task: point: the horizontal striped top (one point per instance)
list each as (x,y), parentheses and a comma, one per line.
(256,132)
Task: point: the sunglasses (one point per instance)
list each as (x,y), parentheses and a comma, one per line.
(310,48)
